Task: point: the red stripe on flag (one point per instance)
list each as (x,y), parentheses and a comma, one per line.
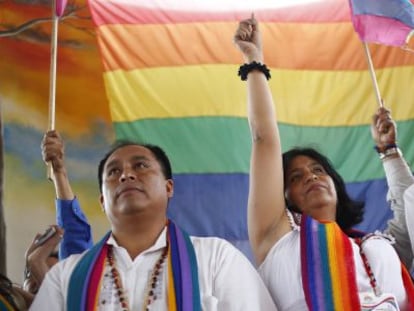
(110,12)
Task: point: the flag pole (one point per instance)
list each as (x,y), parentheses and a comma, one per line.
(52,79)
(373,76)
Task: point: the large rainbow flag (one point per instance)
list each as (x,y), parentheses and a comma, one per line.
(170,73)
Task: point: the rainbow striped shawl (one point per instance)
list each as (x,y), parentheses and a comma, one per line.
(5,305)
(183,287)
(328,268)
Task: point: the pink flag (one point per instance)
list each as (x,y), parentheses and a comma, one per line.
(60,7)
(389,22)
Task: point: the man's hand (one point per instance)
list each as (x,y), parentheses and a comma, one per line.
(53,151)
(383,128)
(38,261)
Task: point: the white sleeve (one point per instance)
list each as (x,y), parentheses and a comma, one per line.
(50,295)
(399,178)
(237,284)
(409,215)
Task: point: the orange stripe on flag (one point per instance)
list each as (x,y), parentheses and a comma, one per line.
(292,46)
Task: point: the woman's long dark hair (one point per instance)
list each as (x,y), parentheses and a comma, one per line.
(348,211)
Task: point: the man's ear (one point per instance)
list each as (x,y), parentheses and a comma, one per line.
(287,196)
(170,188)
(101,200)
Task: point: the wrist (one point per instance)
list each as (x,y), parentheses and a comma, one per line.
(390,153)
(382,147)
(245,69)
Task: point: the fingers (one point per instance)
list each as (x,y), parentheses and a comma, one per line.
(33,245)
(245,31)
(52,147)
(383,120)
(383,128)
(47,246)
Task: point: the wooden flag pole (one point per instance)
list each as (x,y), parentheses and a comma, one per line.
(52,79)
(373,76)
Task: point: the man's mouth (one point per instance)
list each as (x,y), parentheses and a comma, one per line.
(128,190)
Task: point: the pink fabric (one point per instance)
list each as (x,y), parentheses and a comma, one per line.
(60,7)
(382,30)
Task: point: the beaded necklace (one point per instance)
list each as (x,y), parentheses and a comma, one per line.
(152,282)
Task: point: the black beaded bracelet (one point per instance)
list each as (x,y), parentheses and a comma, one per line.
(388,146)
(246,68)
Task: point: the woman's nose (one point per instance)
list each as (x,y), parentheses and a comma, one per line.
(311,177)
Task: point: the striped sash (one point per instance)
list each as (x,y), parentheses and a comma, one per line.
(183,287)
(328,269)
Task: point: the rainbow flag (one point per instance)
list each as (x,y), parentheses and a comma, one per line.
(170,72)
(389,22)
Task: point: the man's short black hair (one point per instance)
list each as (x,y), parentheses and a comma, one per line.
(157,151)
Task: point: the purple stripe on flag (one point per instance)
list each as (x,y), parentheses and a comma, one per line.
(382,30)
(186,280)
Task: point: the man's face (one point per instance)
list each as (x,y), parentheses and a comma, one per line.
(133,183)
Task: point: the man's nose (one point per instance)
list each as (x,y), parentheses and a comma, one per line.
(127,174)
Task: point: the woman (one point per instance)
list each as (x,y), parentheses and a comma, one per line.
(308,264)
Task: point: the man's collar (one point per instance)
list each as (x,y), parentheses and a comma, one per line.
(160,243)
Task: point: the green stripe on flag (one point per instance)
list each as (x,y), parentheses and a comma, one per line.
(222,144)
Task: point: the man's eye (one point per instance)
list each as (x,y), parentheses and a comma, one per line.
(113,171)
(141,165)
(294,178)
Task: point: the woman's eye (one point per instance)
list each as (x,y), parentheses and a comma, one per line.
(319,170)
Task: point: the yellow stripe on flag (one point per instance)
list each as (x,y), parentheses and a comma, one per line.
(311,98)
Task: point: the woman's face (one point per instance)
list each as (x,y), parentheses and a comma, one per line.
(310,189)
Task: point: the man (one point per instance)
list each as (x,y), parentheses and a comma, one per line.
(72,233)
(146,262)
(399,179)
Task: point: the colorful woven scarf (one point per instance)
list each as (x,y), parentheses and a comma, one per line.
(409,286)
(5,305)
(183,288)
(328,269)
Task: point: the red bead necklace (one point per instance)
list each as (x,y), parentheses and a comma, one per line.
(152,282)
